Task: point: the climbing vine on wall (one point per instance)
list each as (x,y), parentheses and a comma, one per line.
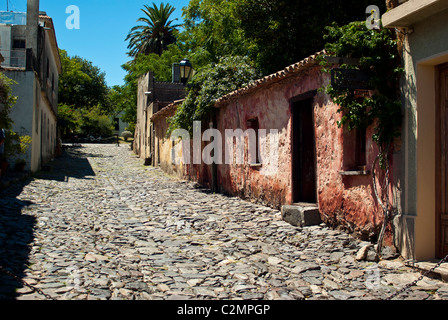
(378,54)
(209,84)
(7,101)
(377,51)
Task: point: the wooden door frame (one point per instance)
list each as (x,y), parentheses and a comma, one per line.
(439,165)
(309,95)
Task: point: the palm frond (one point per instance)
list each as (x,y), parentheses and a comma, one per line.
(156,32)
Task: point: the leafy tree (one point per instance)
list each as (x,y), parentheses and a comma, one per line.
(212,30)
(123,99)
(81,84)
(282,32)
(95,122)
(156,33)
(68,119)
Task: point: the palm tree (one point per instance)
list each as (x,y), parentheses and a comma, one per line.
(156,33)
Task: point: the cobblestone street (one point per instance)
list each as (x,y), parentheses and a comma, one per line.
(100,225)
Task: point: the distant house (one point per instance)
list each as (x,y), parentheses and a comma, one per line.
(31,58)
(152,96)
(119,125)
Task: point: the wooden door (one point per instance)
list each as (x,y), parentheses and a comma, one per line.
(442,162)
(303,152)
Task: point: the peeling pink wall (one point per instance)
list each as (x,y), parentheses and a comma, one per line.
(272,107)
(346,201)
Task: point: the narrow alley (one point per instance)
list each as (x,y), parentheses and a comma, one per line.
(101,226)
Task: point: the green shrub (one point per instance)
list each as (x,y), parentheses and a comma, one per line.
(126,135)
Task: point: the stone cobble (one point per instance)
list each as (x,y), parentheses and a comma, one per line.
(101,226)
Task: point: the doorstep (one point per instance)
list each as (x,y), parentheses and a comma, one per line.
(301,214)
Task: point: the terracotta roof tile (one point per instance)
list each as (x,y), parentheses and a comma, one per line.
(164,112)
(272,78)
(267,80)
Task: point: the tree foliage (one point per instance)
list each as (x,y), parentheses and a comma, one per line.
(68,119)
(378,53)
(93,121)
(81,84)
(209,84)
(124,101)
(85,100)
(7,101)
(270,34)
(212,30)
(282,32)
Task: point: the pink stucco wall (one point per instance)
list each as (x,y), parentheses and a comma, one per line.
(346,201)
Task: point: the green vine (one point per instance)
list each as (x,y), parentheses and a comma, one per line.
(378,54)
(7,101)
(377,51)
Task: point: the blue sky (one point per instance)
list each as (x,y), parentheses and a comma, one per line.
(104,25)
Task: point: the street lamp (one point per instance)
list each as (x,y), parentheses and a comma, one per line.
(186,71)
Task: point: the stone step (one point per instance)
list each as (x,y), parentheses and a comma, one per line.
(301,214)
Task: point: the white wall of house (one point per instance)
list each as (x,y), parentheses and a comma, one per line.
(35,113)
(121,124)
(33,116)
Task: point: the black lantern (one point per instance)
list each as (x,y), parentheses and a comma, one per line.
(186,71)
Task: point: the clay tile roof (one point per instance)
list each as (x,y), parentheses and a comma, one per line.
(272,78)
(166,111)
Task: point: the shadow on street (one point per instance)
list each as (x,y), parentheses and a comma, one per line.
(16,235)
(17,229)
(72,164)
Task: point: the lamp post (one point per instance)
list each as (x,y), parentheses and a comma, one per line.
(186,71)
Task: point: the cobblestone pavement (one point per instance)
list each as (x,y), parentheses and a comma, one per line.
(100,225)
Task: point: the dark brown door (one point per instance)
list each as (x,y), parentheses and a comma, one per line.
(303,152)
(442,159)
